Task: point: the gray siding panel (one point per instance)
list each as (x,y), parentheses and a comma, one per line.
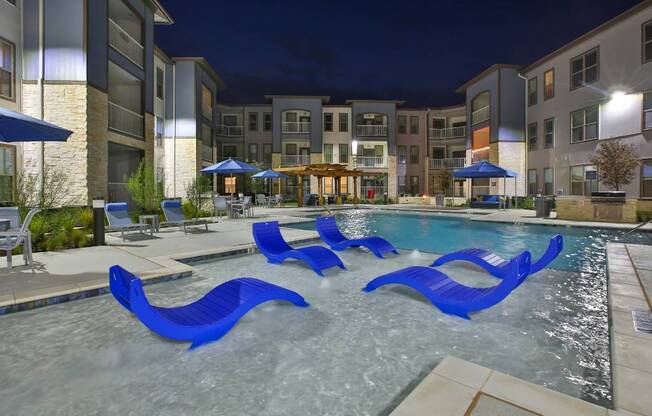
(185,99)
(98,43)
(309,104)
(30,39)
(388,109)
(512,107)
(149,60)
(65,54)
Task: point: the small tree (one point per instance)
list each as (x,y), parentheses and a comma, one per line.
(616,163)
(144,189)
(196,190)
(46,193)
(443,181)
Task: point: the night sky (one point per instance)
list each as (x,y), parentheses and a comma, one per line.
(419,51)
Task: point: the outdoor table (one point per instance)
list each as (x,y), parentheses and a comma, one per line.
(4,224)
(152,220)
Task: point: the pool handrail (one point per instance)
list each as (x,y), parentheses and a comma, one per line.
(329,233)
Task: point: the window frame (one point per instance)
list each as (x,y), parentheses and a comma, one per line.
(547,97)
(402,127)
(160,83)
(398,154)
(552,184)
(644,42)
(414,157)
(532,92)
(325,153)
(535,183)
(533,146)
(644,111)
(14,173)
(12,45)
(414,125)
(545,141)
(597,123)
(267,124)
(340,153)
(583,57)
(328,124)
(584,181)
(267,159)
(252,122)
(343,120)
(643,161)
(417,185)
(249,153)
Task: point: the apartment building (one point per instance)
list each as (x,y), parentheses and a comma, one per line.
(411,151)
(446,148)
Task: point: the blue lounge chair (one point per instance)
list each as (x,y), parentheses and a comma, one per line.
(204,320)
(495,264)
(117,214)
(270,242)
(450,296)
(174,216)
(331,235)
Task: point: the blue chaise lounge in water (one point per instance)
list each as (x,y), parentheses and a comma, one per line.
(495,264)
(204,320)
(331,235)
(450,296)
(270,242)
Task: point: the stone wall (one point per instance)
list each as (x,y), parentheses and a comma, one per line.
(584,209)
(98,149)
(392,179)
(182,163)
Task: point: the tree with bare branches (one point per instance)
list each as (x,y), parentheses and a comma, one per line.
(616,163)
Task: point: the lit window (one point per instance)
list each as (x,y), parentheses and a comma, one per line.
(229,185)
(584,124)
(532,136)
(6,69)
(549,133)
(584,69)
(549,84)
(206,102)
(532,91)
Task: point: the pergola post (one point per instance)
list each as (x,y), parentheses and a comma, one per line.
(320,190)
(355,190)
(338,198)
(299,190)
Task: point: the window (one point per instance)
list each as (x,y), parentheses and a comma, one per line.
(439,153)
(549,133)
(647,110)
(267,121)
(584,124)
(402,154)
(159,131)
(267,153)
(328,121)
(344,122)
(402,124)
(414,154)
(532,182)
(414,124)
(646,178)
(6,69)
(253,121)
(160,79)
(253,152)
(548,181)
(584,180)
(414,185)
(548,84)
(402,185)
(7,173)
(532,136)
(328,153)
(439,123)
(206,102)
(584,69)
(532,91)
(229,151)
(647,42)
(125,103)
(290,149)
(344,153)
(229,185)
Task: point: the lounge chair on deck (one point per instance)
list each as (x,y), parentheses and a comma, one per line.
(204,320)
(174,216)
(331,235)
(270,242)
(450,296)
(498,266)
(117,215)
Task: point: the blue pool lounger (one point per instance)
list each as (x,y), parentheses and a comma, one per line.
(331,235)
(450,296)
(495,264)
(270,242)
(204,320)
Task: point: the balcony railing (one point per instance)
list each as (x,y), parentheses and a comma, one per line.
(371,130)
(124,43)
(480,115)
(296,127)
(125,121)
(448,132)
(229,131)
(448,163)
(369,162)
(206,153)
(295,160)
(373,192)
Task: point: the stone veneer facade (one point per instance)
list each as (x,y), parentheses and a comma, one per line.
(180,175)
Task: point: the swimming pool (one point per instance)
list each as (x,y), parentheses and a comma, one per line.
(350,353)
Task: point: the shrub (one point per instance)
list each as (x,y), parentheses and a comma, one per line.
(144,189)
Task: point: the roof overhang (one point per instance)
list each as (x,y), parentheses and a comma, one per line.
(201,61)
(325,99)
(495,67)
(161,16)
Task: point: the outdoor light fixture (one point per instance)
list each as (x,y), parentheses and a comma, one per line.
(354,147)
(618,96)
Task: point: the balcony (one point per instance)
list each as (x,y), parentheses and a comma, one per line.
(448,133)
(295,160)
(124,43)
(229,131)
(125,121)
(206,153)
(371,130)
(480,115)
(448,163)
(296,127)
(369,162)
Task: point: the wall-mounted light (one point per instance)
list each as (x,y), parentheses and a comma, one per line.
(354,147)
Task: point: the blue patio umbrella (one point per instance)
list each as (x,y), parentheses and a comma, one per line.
(270,174)
(486,169)
(229,167)
(17,127)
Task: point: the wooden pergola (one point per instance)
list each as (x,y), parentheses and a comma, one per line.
(323,170)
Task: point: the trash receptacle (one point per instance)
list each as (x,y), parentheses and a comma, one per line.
(543,206)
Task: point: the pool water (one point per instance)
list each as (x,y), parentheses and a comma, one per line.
(349,353)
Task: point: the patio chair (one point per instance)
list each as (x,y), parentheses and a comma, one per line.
(277,201)
(450,296)
(219,205)
(13,215)
(498,266)
(174,216)
(271,244)
(205,320)
(17,237)
(244,208)
(331,235)
(261,200)
(117,214)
